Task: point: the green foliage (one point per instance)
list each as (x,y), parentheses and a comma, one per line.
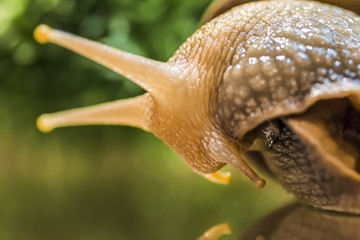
(99,182)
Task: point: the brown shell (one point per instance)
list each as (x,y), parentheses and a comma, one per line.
(219,7)
(294,54)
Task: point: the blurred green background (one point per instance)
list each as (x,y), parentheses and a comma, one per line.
(101,182)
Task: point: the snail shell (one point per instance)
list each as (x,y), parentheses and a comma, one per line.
(285,70)
(278,78)
(219,7)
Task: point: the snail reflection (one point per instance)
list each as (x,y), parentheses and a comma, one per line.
(296,222)
(215,232)
(299,222)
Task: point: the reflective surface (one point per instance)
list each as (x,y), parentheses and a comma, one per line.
(299,222)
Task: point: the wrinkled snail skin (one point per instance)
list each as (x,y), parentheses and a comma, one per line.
(251,79)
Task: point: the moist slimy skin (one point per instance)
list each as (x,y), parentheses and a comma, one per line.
(252,79)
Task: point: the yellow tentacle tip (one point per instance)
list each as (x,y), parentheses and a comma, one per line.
(43,125)
(42,33)
(216,232)
(219,177)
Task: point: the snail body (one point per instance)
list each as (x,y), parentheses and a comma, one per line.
(258,78)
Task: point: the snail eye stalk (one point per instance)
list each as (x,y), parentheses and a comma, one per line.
(131,112)
(153,76)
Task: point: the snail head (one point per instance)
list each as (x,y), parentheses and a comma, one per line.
(177,106)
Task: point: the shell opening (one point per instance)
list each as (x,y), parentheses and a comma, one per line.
(334,131)
(316,154)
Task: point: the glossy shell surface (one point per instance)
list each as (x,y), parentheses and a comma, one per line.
(293,54)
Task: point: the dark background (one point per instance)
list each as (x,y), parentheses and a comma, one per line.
(101,182)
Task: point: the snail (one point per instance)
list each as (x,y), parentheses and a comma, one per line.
(268,83)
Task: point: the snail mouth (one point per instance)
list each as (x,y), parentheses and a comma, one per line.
(332,127)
